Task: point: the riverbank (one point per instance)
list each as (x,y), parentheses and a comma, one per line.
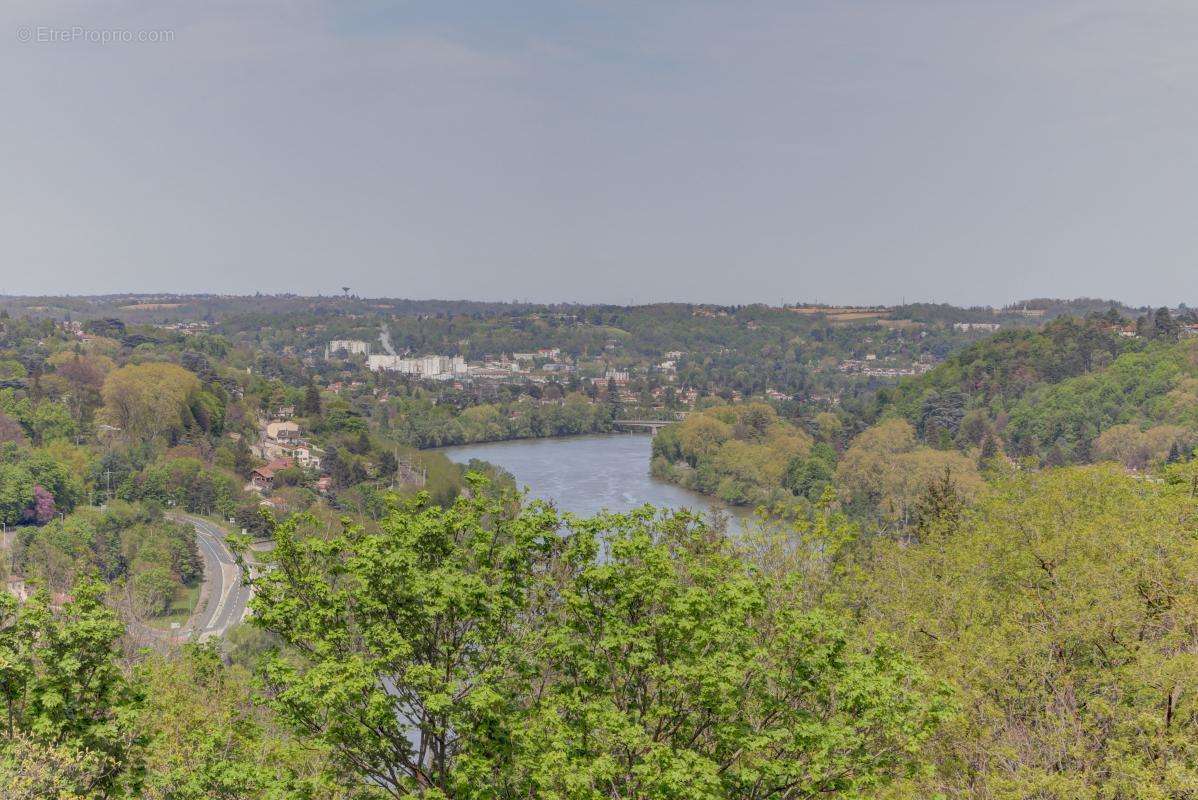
(601,431)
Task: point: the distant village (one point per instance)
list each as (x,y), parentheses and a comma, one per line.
(539,366)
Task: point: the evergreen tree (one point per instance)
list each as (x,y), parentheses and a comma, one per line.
(1143,326)
(361,445)
(1164,326)
(388,465)
(311,403)
(989,450)
(613,398)
(940,505)
(243,459)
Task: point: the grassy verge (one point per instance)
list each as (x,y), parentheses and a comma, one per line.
(180,610)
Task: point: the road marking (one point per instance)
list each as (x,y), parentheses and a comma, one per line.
(226,578)
(217,580)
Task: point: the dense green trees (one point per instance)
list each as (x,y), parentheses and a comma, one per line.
(75,724)
(1033,642)
(1062,609)
(884,473)
(124,545)
(186,483)
(419,422)
(146,401)
(34,486)
(63,690)
(743,454)
(1074,392)
(489,650)
(42,420)
(1009,363)
(206,736)
(1075,412)
(812,474)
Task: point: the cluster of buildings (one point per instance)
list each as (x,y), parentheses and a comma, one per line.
(282,445)
(872,368)
(187,328)
(436,367)
(618,377)
(439,367)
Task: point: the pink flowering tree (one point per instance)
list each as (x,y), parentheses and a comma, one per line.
(42,510)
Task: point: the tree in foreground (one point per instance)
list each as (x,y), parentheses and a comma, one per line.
(205,738)
(68,708)
(1063,609)
(494,650)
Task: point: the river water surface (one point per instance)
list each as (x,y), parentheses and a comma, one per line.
(587,474)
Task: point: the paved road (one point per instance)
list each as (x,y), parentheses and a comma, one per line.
(223,597)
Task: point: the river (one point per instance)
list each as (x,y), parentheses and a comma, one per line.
(587,474)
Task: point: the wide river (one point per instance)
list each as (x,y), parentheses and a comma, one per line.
(586,474)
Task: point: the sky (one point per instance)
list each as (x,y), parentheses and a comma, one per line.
(872,151)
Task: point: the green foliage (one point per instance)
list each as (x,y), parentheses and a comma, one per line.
(677,671)
(1075,411)
(120,543)
(419,422)
(1071,392)
(21,471)
(144,402)
(1009,363)
(206,738)
(809,476)
(152,590)
(886,472)
(490,650)
(16,493)
(1062,609)
(742,454)
(207,412)
(311,406)
(409,633)
(50,421)
(185,483)
(62,686)
(43,420)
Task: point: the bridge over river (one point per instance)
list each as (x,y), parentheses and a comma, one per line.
(648,425)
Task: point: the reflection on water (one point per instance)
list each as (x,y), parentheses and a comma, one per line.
(587,474)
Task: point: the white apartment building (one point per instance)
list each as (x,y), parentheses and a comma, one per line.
(353,347)
(425,366)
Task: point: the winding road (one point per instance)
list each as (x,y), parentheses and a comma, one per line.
(224,595)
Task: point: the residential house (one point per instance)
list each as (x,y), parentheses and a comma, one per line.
(285,431)
(305,455)
(263,478)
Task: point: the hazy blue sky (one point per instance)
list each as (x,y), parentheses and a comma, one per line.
(972,152)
